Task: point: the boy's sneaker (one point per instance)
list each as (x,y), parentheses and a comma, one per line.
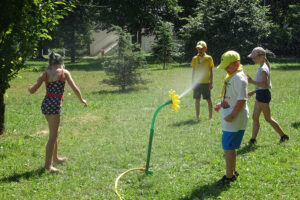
(284,138)
(252,141)
(225,181)
(236,174)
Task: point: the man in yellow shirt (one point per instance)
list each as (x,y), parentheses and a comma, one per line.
(202,77)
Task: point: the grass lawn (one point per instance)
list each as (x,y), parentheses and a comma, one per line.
(111,135)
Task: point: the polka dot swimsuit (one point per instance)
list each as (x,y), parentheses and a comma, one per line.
(51,104)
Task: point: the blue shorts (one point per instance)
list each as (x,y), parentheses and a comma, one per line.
(232,140)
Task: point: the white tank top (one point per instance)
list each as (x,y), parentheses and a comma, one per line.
(258,78)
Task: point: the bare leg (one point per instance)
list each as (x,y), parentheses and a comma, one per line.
(256,113)
(56,159)
(209,107)
(53,122)
(197,107)
(267,113)
(230,156)
(234,162)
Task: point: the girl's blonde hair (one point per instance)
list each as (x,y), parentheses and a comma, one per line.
(55,59)
(268,63)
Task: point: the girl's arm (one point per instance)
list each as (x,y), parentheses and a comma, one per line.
(217,107)
(37,85)
(250,94)
(211,78)
(74,87)
(263,84)
(237,108)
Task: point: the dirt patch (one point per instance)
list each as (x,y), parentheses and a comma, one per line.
(41,133)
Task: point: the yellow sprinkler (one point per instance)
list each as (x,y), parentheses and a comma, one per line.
(174,101)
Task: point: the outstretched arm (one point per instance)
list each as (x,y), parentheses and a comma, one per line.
(37,85)
(74,87)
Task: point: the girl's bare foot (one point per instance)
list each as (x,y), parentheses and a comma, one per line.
(59,160)
(52,169)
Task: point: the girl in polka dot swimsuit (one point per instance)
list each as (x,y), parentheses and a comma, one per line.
(54,78)
(54,96)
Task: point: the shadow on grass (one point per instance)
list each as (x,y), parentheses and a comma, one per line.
(86,65)
(119,91)
(296,125)
(159,67)
(287,67)
(206,191)
(187,122)
(246,149)
(27,175)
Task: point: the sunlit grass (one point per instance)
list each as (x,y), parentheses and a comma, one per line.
(111,136)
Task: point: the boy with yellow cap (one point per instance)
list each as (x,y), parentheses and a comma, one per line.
(234,111)
(202,77)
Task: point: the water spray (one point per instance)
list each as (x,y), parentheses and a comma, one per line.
(174,101)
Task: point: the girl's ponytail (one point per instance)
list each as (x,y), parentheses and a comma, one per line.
(268,63)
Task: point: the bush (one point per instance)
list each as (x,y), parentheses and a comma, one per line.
(123,70)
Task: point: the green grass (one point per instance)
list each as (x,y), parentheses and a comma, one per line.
(111,135)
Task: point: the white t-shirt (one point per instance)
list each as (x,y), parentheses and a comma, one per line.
(258,77)
(236,89)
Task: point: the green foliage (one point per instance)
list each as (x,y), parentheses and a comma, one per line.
(135,15)
(224,25)
(26,22)
(122,69)
(164,46)
(74,31)
(284,38)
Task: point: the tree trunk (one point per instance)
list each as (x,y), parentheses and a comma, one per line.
(2,111)
(134,37)
(88,49)
(40,51)
(72,50)
(139,37)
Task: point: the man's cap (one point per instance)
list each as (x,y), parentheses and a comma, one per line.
(227,58)
(257,51)
(201,44)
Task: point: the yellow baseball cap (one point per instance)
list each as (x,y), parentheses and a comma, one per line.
(227,58)
(201,44)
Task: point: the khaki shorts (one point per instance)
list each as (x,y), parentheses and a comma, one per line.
(201,89)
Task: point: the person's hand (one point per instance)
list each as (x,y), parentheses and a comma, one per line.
(250,80)
(250,94)
(229,118)
(84,102)
(31,90)
(217,107)
(211,86)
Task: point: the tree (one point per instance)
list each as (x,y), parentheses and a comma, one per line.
(135,15)
(233,24)
(73,32)
(24,23)
(295,11)
(123,68)
(285,28)
(164,45)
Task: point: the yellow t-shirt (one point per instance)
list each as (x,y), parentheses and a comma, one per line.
(202,66)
